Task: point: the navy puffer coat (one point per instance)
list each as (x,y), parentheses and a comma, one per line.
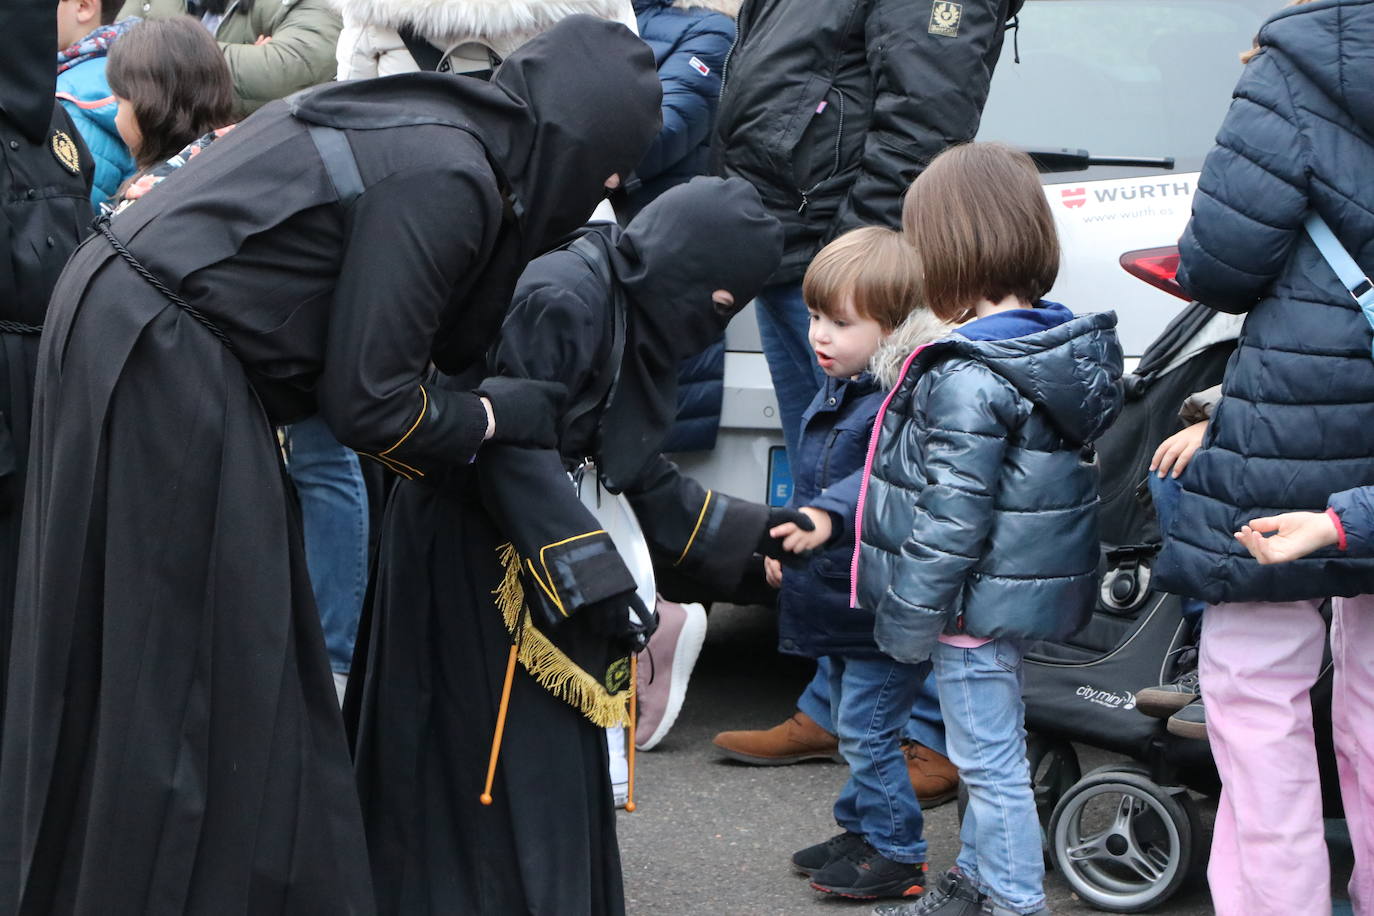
(979,515)
(1296,419)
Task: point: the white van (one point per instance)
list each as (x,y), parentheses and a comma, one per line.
(1098,80)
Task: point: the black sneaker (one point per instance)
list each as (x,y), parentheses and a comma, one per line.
(1190,721)
(1166,699)
(866,874)
(813,858)
(953,896)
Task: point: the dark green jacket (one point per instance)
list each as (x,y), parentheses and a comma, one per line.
(304,34)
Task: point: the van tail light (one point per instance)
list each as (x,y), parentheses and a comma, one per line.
(1157,267)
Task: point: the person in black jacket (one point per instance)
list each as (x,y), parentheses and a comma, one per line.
(831,110)
(506,546)
(174,742)
(45,172)
(1294,425)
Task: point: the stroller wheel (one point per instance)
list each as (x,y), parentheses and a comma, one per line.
(1124,843)
(1054,769)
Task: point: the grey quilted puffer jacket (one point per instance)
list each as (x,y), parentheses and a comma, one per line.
(979,513)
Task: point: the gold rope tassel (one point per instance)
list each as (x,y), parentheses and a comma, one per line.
(546,663)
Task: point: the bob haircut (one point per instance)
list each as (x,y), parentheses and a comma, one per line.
(872,265)
(979,219)
(174,75)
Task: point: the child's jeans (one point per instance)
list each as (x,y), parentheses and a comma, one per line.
(1258,662)
(871,701)
(985,732)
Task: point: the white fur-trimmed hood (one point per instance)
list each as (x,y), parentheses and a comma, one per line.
(728,7)
(920,327)
(475,18)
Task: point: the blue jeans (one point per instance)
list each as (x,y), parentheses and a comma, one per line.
(872,701)
(783,324)
(924,725)
(1164,493)
(333,500)
(980,693)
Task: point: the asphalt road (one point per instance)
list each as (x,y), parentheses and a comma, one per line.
(714,837)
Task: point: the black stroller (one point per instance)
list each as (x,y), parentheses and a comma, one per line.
(1126,836)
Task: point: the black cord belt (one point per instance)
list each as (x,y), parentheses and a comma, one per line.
(18,327)
(103,224)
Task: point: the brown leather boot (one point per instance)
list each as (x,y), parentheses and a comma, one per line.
(933,776)
(797,739)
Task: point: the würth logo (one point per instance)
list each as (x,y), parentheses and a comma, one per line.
(1073,197)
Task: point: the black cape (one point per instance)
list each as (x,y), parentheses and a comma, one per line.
(432,656)
(175,745)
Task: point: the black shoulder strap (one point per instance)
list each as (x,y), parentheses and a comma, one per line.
(338,160)
(604,382)
(427,57)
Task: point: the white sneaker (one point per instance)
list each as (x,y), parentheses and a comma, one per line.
(664,669)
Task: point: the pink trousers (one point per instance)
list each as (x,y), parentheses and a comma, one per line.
(1258,662)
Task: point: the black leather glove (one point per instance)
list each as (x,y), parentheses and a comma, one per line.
(622,619)
(772,547)
(527,411)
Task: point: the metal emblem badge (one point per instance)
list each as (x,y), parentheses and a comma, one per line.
(944,18)
(66,151)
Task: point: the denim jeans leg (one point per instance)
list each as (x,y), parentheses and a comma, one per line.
(783,325)
(815,699)
(980,692)
(333,500)
(927,724)
(871,699)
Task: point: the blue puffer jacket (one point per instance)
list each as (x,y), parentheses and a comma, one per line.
(700,393)
(814,617)
(979,515)
(1355,509)
(1296,418)
(690,39)
(82,88)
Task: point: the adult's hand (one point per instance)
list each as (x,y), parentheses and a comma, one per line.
(523,411)
(770,546)
(1289,536)
(1175,452)
(623,619)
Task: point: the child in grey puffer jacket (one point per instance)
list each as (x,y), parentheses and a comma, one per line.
(979,513)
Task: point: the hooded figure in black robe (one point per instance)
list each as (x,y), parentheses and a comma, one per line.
(462,556)
(174,742)
(45,176)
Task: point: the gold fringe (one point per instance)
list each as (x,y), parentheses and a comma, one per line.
(547,664)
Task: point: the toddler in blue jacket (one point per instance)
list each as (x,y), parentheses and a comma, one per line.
(859,290)
(85,31)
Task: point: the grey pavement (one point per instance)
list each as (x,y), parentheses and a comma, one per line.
(714,837)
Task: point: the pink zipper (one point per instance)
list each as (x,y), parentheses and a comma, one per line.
(868,470)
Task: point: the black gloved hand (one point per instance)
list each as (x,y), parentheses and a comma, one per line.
(614,618)
(527,411)
(772,547)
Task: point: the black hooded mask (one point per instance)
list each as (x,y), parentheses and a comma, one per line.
(28,75)
(571,107)
(708,234)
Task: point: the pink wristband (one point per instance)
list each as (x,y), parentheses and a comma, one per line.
(1340,529)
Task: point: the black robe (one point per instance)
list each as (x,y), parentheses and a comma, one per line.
(436,646)
(175,745)
(45,180)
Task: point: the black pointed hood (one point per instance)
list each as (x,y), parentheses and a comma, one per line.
(708,234)
(569,108)
(28,76)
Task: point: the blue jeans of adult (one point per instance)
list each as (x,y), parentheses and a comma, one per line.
(783,324)
(924,725)
(1164,493)
(985,730)
(872,700)
(329,484)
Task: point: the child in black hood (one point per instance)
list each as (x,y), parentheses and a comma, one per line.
(506,546)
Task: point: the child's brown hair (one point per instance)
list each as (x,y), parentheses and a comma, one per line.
(174,75)
(875,267)
(978,218)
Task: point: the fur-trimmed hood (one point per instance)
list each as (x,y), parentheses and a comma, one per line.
(475,19)
(920,327)
(728,7)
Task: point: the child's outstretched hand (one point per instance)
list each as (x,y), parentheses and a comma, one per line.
(797,540)
(1175,452)
(1291,535)
(772,571)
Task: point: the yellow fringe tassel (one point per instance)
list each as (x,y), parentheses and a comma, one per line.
(547,664)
